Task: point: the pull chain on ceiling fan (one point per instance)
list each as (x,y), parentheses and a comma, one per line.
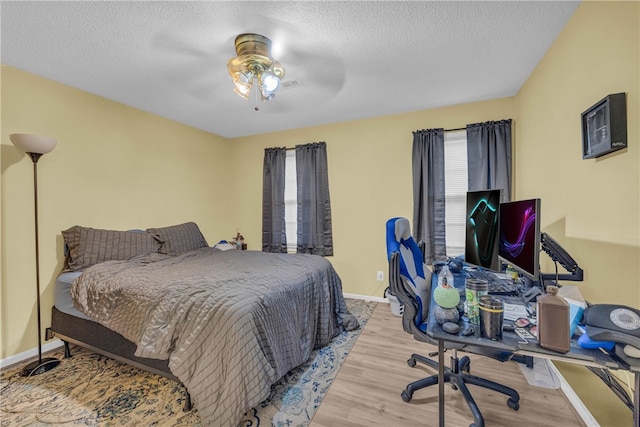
(254,62)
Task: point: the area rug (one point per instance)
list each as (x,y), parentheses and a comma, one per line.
(89,389)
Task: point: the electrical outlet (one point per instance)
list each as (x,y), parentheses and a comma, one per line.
(380,276)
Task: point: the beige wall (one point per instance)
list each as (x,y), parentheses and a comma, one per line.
(590,206)
(114,167)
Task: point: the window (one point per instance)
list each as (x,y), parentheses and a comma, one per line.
(455,178)
(306,222)
(291,202)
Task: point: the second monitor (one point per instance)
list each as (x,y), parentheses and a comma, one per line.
(520,236)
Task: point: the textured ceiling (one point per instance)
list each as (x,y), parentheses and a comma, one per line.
(343,60)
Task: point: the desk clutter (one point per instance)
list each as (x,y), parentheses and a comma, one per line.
(549,318)
(456,307)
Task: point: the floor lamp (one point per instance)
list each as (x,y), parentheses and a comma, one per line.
(35,146)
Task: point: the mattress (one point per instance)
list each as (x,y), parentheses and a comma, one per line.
(74,326)
(62,297)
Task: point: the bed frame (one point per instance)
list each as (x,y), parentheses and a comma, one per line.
(95,337)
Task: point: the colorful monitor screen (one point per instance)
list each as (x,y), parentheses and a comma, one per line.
(482,229)
(520,236)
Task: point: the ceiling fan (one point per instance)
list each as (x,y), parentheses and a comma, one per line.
(254,62)
(199,61)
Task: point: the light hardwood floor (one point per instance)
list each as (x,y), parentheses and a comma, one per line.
(367,390)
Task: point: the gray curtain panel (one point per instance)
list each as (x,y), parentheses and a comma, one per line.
(314,205)
(274,232)
(428,192)
(489,156)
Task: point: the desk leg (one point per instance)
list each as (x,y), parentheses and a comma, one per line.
(441,382)
(636,399)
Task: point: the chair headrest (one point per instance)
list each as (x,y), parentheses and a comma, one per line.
(403,229)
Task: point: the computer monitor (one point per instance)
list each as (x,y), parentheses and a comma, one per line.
(482,229)
(520,236)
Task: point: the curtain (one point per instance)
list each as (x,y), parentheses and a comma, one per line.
(314,206)
(489,157)
(274,232)
(428,193)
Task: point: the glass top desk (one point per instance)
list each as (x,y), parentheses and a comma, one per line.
(511,342)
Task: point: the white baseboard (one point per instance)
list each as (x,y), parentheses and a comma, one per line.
(576,402)
(29,354)
(366,298)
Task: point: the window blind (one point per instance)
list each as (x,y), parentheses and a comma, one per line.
(455,159)
(291,202)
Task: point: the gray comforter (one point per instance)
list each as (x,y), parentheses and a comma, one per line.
(231,323)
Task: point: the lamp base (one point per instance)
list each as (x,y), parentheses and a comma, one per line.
(40,366)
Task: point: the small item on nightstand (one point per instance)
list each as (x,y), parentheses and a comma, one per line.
(239,243)
(223,245)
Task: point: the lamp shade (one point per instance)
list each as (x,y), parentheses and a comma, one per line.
(33,143)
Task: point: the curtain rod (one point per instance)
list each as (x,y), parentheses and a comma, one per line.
(464,128)
(448,130)
(293,148)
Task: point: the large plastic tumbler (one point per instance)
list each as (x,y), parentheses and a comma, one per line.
(474,289)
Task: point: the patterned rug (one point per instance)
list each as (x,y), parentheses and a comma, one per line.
(89,389)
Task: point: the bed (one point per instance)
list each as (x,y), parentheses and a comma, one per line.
(226,324)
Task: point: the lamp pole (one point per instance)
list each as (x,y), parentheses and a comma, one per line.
(35,146)
(41,365)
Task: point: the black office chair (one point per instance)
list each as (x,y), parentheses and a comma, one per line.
(410,282)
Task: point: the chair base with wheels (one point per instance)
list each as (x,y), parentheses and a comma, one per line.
(459,375)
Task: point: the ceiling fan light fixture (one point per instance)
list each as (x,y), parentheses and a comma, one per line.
(265,95)
(244,93)
(269,81)
(243,83)
(254,61)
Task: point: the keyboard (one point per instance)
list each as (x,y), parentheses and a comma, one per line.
(497,285)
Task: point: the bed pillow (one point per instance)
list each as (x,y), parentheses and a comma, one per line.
(88,246)
(178,239)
